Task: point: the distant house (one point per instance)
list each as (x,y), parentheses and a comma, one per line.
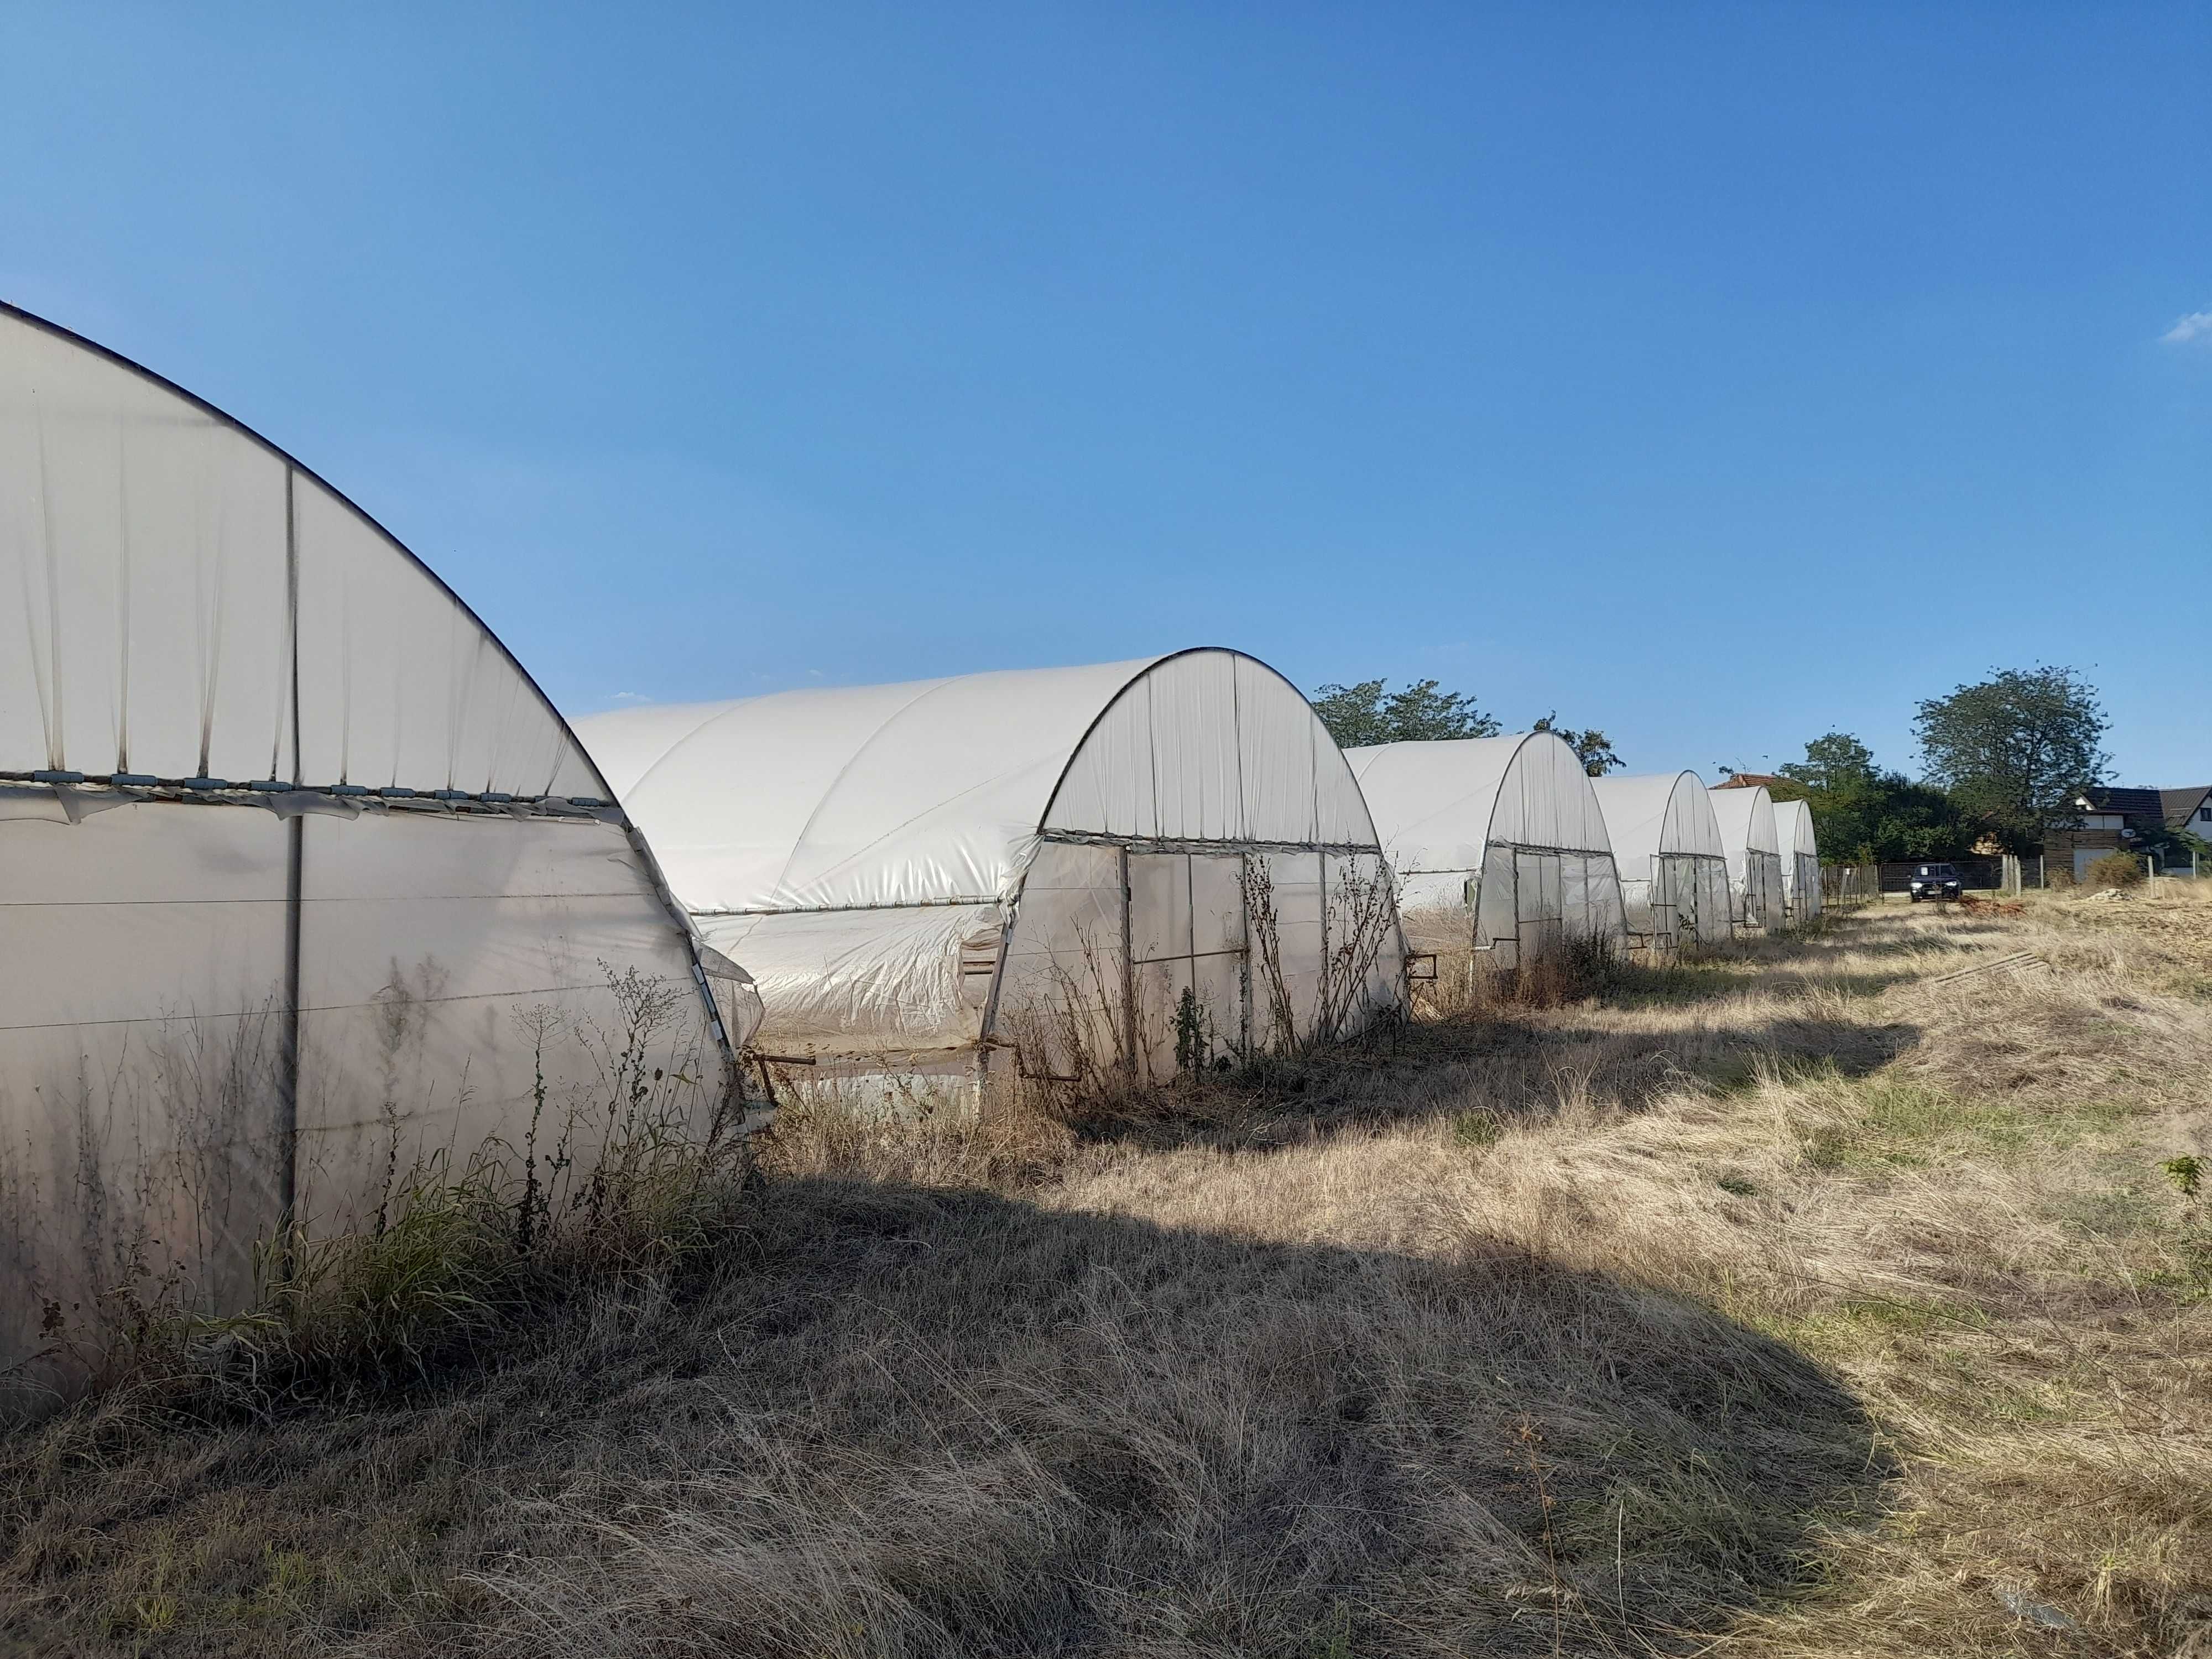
(2114,819)
(1749,781)
(2189,809)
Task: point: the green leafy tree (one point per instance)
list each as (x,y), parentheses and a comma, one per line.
(1364,714)
(1861,811)
(1590,747)
(1839,761)
(2015,751)
(1918,822)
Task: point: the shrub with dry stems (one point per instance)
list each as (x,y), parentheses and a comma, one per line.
(2116,870)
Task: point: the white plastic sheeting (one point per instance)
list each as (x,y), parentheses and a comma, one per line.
(1501,835)
(1674,869)
(837,979)
(935,791)
(1801,861)
(1746,817)
(921,868)
(158,557)
(237,983)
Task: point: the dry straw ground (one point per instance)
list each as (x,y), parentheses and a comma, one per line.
(1789,1303)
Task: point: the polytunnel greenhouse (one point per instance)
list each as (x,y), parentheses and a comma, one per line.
(1745,816)
(306,883)
(1674,869)
(1801,861)
(1497,845)
(1049,873)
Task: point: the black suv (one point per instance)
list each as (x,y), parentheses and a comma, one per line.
(1933,881)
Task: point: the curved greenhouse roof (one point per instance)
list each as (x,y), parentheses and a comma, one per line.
(1654,814)
(292,844)
(934,791)
(1674,866)
(1793,829)
(1454,815)
(887,859)
(1745,816)
(1800,858)
(1439,804)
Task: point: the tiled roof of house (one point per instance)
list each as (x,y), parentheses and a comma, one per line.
(2145,808)
(2130,804)
(2181,805)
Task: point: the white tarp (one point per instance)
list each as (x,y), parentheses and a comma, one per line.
(1746,817)
(235,977)
(1505,830)
(1801,861)
(1674,868)
(878,855)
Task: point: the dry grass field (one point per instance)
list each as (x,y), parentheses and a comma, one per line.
(1800,1301)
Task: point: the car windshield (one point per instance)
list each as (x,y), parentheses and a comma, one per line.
(1935,869)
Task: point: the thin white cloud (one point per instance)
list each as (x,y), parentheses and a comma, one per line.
(631,696)
(2197,325)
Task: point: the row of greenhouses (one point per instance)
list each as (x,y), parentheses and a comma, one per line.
(309,886)
(1129,867)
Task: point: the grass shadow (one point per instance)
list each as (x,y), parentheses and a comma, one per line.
(1509,1070)
(911,1420)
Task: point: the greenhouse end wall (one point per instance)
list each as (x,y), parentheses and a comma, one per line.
(1229,952)
(1686,902)
(309,892)
(1498,846)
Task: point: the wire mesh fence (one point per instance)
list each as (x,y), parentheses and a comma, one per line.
(1843,885)
(1864,884)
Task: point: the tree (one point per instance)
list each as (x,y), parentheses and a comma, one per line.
(2015,751)
(1861,811)
(1590,747)
(1913,821)
(1839,761)
(1357,715)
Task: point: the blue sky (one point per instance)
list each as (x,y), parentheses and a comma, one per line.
(1717,375)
